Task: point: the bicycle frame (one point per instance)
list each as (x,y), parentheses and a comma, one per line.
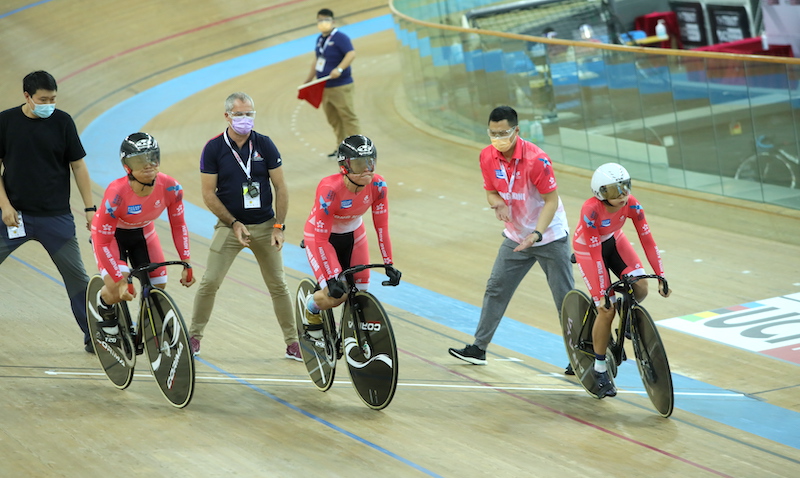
(362,335)
(625,287)
(143,274)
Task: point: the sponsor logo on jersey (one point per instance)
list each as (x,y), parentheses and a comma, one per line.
(605,223)
(500,173)
(135,209)
(347,204)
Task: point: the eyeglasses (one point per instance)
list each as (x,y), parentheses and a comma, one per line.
(615,190)
(239,114)
(501,134)
(324,20)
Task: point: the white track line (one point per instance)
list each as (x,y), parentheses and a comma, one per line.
(423,385)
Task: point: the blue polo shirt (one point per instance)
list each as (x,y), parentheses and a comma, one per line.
(334,47)
(217,158)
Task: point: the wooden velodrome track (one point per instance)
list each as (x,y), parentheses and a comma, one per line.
(255,413)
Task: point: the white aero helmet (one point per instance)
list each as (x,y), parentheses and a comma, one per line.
(610,181)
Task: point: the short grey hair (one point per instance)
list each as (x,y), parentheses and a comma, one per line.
(243,97)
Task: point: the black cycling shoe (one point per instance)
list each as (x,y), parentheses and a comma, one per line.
(605,386)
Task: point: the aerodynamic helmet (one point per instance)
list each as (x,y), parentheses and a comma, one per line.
(138,150)
(357,154)
(610,181)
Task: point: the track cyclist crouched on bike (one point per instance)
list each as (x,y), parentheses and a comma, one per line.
(334,235)
(600,246)
(123,229)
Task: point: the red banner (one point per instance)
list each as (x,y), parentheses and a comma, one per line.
(312,91)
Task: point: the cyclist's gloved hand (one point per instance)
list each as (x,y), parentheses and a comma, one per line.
(393,274)
(336,288)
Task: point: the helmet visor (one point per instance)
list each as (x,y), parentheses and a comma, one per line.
(615,190)
(142,160)
(359,165)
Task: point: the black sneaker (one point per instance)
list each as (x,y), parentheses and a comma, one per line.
(569,370)
(89,347)
(605,386)
(471,353)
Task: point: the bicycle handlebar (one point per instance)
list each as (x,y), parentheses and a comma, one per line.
(155,265)
(393,280)
(627,281)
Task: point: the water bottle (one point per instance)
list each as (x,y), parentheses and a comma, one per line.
(537,133)
(661,30)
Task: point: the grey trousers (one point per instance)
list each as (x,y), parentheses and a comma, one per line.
(57,235)
(508,271)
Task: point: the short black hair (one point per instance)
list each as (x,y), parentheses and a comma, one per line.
(325,13)
(504,113)
(38,80)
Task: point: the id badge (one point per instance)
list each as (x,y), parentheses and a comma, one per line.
(17,231)
(251,202)
(320,63)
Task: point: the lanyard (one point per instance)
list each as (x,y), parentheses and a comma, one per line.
(325,43)
(509,182)
(245,168)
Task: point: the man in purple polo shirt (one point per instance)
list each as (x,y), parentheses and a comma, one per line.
(334,55)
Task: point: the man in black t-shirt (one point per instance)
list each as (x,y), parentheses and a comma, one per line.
(39,145)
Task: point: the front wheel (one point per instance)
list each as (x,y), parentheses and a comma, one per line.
(168,351)
(371,351)
(651,359)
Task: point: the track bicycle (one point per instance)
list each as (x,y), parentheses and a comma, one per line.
(770,165)
(365,337)
(578,314)
(160,332)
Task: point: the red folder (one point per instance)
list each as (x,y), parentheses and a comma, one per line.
(312,91)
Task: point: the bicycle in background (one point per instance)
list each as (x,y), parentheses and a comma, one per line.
(365,337)
(770,165)
(160,331)
(578,313)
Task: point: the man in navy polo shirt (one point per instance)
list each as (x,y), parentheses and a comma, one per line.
(334,55)
(237,168)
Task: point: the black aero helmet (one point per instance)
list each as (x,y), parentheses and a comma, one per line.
(357,154)
(138,150)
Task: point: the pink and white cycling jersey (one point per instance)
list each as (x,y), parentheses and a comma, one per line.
(521,183)
(596,226)
(337,210)
(122,208)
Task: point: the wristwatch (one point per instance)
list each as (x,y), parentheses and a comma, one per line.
(340,70)
(282,227)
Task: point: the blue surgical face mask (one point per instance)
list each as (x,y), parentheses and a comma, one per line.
(43,110)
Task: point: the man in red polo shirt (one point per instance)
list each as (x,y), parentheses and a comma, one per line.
(521,189)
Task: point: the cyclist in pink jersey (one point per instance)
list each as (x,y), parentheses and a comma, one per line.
(600,246)
(334,235)
(123,227)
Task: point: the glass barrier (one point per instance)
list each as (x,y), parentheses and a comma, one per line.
(717,123)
